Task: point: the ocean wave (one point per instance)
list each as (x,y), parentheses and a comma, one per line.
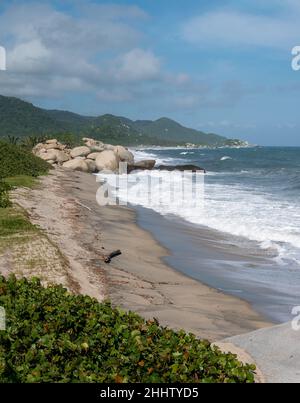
(229,209)
(256,198)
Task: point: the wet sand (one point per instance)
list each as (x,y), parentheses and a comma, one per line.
(140,281)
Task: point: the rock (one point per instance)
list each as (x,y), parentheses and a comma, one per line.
(48,155)
(107,160)
(97,149)
(52,141)
(38,148)
(93,156)
(76,165)
(144,165)
(51,162)
(109,147)
(80,151)
(92,165)
(124,155)
(40,151)
(52,146)
(80,158)
(86,139)
(193,168)
(61,156)
(94,145)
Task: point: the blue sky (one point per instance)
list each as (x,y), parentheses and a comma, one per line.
(218,66)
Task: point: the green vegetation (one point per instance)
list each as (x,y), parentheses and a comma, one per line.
(4,197)
(20,181)
(19,119)
(54,336)
(14,161)
(14,222)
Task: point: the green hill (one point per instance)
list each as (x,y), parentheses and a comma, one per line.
(164,128)
(19,118)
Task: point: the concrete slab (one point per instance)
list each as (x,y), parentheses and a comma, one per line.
(275,350)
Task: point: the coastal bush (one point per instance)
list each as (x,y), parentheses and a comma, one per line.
(54,336)
(4,197)
(16,161)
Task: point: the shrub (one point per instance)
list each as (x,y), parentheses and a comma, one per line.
(4,197)
(53,336)
(16,161)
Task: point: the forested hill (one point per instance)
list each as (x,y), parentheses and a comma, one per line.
(20,119)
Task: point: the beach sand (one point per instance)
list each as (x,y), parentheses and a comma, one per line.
(65,207)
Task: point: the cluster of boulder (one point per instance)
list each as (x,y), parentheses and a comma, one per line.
(93,156)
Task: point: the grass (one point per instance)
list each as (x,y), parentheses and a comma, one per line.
(21,181)
(14,222)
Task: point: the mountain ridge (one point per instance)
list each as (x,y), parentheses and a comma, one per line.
(21,118)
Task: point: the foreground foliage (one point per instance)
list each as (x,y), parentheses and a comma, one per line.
(53,336)
(16,161)
(4,196)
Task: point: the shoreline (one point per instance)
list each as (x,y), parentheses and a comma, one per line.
(138,280)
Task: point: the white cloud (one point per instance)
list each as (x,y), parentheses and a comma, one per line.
(29,57)
(231,28)
(49,51)
(138,64)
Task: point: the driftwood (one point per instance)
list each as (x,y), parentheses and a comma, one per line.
(108,258)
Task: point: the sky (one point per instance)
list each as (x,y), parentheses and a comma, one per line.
(219,66)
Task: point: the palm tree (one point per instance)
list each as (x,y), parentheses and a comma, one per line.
(13,140)
(32,141)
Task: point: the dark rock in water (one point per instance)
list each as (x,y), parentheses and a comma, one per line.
(193,168)
(144,165)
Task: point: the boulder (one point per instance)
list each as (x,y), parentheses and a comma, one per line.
(109,147)
(40,151)
(92,165)
(53,146)
(124,155)
(107,160)
(97,148)
(48,155)
(86,139)
(193,168)
(51,141)
(39,147)
(61,156)
(143,165)
(93,156)
(80,152)
(76,165)
(95,145)
(80,158)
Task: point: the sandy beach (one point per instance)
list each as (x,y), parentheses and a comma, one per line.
(64,206)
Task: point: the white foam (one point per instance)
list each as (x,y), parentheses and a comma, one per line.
(235,210)
(151,155)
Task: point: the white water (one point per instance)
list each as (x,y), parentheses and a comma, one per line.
(234,209)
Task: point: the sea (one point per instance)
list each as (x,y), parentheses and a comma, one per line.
(245,238)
